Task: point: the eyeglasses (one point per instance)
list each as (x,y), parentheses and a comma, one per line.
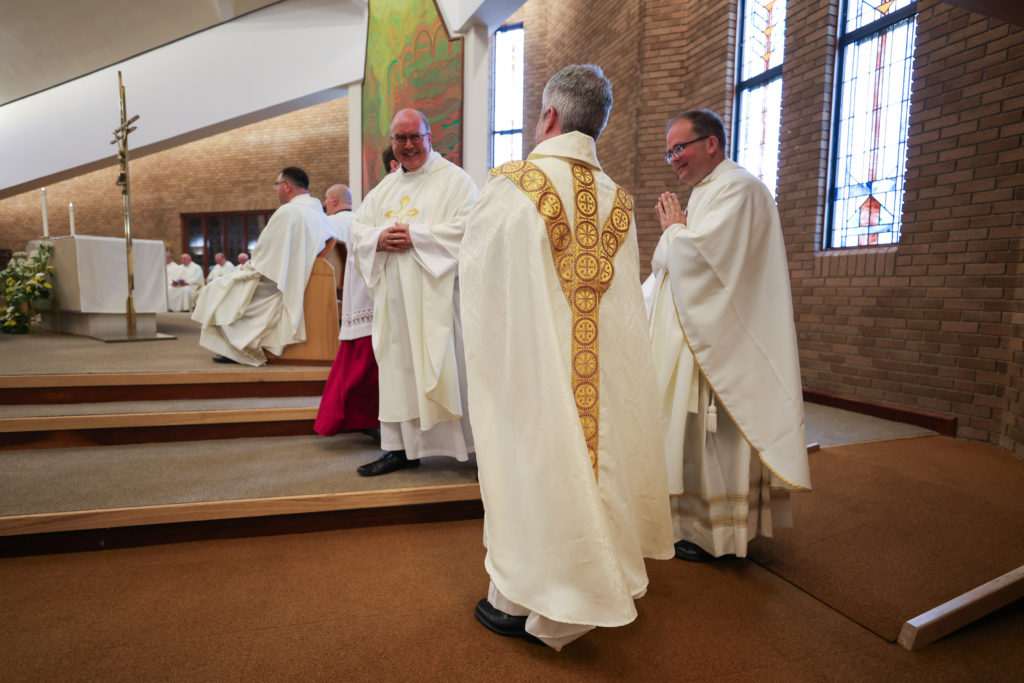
(415,138)
(677,151)
(279,182)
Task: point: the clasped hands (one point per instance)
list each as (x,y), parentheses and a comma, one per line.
(669,210)
(395,238)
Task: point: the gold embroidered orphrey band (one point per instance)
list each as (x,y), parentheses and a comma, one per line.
(584,260)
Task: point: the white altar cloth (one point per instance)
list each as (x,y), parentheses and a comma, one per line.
(91,274)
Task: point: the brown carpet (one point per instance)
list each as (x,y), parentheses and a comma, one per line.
(395,603)
(895,528)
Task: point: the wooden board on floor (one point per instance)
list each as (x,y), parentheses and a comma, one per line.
(962,610)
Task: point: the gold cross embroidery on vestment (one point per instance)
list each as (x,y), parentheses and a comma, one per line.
(584,259)
(403,213)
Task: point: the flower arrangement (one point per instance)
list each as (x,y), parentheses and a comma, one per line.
(24,282)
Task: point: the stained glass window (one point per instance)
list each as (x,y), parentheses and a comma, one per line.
(870,143)
(507,98)
(759,91)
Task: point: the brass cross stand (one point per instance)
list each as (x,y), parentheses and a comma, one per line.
(121,140)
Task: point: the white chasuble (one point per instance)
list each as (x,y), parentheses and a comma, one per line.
(414,325)
(258,305)
(730,280)
(562,389)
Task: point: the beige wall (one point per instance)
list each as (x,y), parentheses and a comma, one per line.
(225,172)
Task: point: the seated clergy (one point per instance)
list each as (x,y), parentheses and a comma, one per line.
(183,289)
(221,267)
(257,307)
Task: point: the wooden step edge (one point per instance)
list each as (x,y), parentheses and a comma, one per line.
(119,420)
(13,525)
(306,374)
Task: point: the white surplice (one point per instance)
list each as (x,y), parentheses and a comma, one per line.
(416,332)
(182,298)
(565,546)
(723,337)
(356,304)
(258,306)
(219,270)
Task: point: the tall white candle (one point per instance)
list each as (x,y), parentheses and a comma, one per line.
(46,223)
(71,216)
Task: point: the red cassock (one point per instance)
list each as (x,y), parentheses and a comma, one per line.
(350,400)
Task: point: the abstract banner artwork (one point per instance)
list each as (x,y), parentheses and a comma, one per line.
(410,62)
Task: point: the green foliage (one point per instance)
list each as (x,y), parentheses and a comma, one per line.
(25,281)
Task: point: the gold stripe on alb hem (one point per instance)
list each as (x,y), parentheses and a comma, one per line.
(584,261)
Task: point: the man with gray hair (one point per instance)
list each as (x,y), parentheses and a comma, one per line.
(405,241)
(561,384)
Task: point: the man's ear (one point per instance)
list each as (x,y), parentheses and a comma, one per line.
(552,126)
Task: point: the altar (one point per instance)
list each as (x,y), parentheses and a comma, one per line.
(90,280)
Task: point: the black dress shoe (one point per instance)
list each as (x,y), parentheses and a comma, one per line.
(389,462)
(691,552)
(224,359)
(502,623)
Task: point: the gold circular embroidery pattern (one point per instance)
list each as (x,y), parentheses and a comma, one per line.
(586,233)
(620,219)
(624,198)
(586,202)
(560,236)
(582,174)
(589,426)
(586,266)
(584,331)
(512,166)
(609,243)
(585,363)
(550,205)
(586,395)
(533,180)
(585,299)
(607,271)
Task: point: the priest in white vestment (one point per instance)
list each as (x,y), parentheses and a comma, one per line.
(569,435)
(173,273)
(406,237)
(257,307)
(221,267)
(184,288)
(724,342)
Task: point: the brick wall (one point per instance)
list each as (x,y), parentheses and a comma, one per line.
(935,323)
(230,171)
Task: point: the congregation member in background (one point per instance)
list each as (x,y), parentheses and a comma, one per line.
(405,239)
(350,399)
(388,157)
(184,288)
(221,267)
(243,258)
(562,391)
(258,306)
(724,342)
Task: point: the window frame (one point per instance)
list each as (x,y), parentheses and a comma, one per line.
(750,84)
(494,59)
(207,259)
(843,40)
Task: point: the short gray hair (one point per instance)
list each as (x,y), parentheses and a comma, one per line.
(582,96)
